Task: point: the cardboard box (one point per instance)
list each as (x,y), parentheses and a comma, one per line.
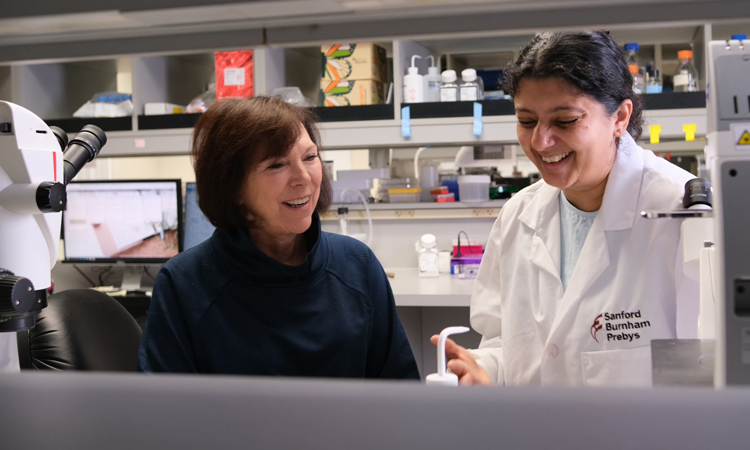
(354,62)
(351,92)
(234,74)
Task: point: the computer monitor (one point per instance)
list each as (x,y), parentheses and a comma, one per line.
(197,227)
(132,221)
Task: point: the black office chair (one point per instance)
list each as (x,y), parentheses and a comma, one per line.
(81,329)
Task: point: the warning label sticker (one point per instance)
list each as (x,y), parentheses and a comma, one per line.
(744,139)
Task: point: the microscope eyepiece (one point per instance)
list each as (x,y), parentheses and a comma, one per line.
(62,137)
(83,148)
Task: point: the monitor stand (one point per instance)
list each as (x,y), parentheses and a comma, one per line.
(131,278)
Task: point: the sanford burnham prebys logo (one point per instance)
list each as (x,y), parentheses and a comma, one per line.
(623,322)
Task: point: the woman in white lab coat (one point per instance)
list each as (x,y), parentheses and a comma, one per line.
(574,284)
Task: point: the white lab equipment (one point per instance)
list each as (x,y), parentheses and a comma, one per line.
(427,253)
(728,160)
(470,90)
(344,190)
(36,162)
(502,157)
(474,188)
(443,377)
(449,88)
(432,82)
(343,218)
(429,177)
(413,83)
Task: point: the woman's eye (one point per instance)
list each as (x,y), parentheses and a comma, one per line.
(527,123)
(275,166)
(311,157)
(566,123)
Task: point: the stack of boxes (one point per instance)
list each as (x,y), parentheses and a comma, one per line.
(353,74)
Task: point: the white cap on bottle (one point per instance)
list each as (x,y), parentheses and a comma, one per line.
(449,76)
(428,240)
(469,75)
(443,378)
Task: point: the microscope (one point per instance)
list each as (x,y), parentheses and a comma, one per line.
(36,164)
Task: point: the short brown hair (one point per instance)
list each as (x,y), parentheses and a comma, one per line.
(231,138)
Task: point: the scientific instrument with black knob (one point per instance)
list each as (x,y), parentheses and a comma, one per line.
(36,163)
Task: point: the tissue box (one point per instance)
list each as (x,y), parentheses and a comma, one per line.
(351,92)
(363,61)
(234,74)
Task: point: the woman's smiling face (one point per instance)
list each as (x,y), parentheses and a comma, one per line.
(569,136)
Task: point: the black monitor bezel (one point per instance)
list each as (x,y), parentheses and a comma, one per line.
(180,225)
(184,213)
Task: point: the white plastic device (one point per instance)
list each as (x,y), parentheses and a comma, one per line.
(432,82)
(413,83)
(442,377)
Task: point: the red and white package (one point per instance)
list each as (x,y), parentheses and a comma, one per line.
(234,74)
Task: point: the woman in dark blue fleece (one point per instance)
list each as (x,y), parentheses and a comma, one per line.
(270,293)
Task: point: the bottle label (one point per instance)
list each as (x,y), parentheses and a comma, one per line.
(433,85)
(448,95)
(469,93)
(428,262)
(681,79)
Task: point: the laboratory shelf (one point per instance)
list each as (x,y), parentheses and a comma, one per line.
(675,100)
(670,100)
(419,211)
(409,289)
(422,205)
(167,121)
(459,109)
(354,113)
(338,114)
(389,133)
(74,125)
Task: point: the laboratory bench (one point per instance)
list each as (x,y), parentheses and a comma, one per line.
(409,289)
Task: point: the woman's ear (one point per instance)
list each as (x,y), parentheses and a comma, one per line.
(622,117)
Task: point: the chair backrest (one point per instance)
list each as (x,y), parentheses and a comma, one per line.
(82,329)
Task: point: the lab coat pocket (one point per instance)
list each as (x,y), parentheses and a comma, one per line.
(626,367)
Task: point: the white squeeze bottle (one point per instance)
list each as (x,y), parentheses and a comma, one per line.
(413,84)
(432,83)
(442,377)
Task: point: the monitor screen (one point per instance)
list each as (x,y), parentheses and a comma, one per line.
(132,221)
(197,227)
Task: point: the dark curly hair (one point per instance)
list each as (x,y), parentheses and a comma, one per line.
(590,61)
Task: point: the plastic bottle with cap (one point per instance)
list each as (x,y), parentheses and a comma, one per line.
(639,84)
(413,83)
(427,252)
(442,377)
(432,82)
(449,88)
(470,90)
(686,77)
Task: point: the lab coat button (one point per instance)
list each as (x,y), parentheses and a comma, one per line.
(553,351)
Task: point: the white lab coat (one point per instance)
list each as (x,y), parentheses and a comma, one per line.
(621,295)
